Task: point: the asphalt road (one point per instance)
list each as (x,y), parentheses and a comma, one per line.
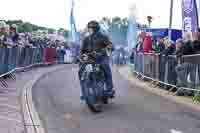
(134,110)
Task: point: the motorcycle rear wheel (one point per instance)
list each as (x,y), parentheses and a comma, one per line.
(97,108)
(105,100)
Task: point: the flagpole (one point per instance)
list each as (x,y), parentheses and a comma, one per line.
(170,19)
(72,23)
(197,11)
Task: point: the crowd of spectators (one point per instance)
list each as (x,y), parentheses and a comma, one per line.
(9,38)
(188,45)
(183,46)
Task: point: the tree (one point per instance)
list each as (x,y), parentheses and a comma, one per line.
(51,31)
(26,26)
(149,19)
(11,22)
(64,31)
(66,34)
(61,30)
(20,28)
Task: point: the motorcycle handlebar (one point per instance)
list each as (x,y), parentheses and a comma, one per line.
(94,54)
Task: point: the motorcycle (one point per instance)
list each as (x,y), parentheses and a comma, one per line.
(92,78)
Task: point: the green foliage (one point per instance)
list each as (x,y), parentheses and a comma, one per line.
(197,97)
(50,31)
(27,27)
(17,22)
(65,32)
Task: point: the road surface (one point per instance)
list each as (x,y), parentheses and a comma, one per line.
(134,110)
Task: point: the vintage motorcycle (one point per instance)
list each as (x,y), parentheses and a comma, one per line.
(92,80)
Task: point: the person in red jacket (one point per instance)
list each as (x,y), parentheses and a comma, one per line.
(147,44)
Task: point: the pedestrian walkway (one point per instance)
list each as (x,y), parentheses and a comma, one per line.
(11,120)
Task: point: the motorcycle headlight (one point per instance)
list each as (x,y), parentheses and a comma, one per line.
(89,68)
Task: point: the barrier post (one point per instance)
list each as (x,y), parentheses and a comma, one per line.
(3,66)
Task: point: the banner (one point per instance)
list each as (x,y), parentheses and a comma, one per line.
(190,15)
(74,36)
(132,28)
(175,34)
(104,28)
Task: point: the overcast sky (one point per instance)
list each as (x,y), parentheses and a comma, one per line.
(55,13)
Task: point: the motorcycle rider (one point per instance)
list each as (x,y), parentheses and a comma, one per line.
(96,41)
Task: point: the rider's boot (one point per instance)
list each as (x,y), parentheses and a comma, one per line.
(110,93)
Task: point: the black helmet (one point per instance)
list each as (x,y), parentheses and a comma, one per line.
(94,25)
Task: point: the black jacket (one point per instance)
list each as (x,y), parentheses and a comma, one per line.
(96,42)
(186,49)
(196,45)
(168,51)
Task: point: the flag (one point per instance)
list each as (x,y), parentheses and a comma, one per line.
(104,28)
(73,31)
(190,15)
(132,33)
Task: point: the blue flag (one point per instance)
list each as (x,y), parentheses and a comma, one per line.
(104,28)
(190,15)
(132,33)
(74,37)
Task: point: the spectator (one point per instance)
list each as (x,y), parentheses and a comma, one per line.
(139,45)
(68,55)
(132,56)
(196,42)
(184,69)
(169,47)
(60,54)
(179,44)
(13,34)
(186,48)
(159,47)
(8,41)
(2,43)
(27,43)
(147,44)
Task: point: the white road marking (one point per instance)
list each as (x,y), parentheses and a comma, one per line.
(175,131)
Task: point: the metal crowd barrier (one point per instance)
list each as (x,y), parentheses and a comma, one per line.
(168,72)
(14,59)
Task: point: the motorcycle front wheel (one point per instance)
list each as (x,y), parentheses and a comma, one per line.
(105,100)
(93,102)
(95,108)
